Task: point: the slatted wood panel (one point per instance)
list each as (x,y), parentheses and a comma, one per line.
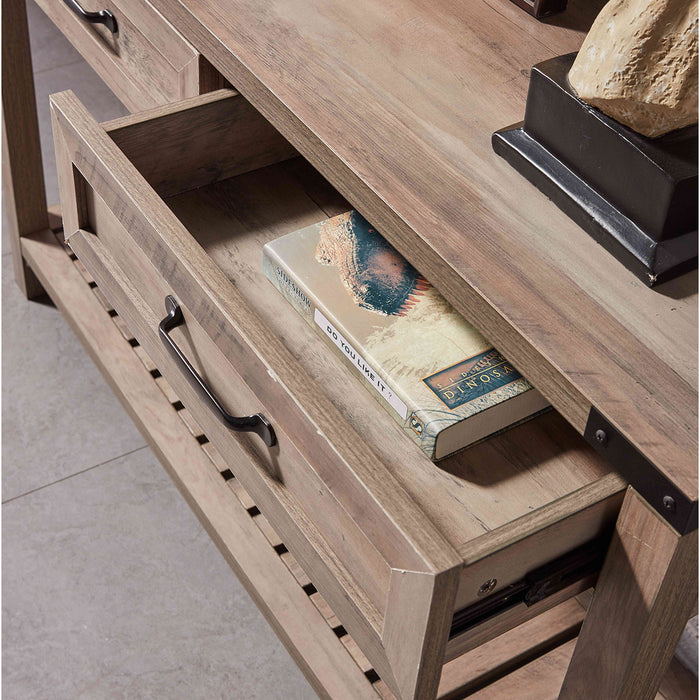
(331,661)
(395,104)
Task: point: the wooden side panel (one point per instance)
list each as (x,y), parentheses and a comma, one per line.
(198,141)
(22,172)
(414,631)
(508,553)
(646,592)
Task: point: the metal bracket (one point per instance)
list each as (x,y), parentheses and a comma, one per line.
(654,486)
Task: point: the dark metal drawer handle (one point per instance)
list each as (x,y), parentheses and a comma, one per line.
(102,17)
(255,424)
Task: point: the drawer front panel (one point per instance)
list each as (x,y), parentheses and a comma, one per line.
(382,565)
(253,466)
(228,379)
(145,63)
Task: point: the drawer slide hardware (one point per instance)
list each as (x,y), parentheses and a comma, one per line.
(253,424)
(537,585)
(101,17)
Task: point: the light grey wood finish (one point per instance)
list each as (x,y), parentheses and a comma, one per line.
(146,63)
(334,665)
(291,612)
(423,567)
(359,172)
(395,104)
(368,554)
(648,589)
(24,199)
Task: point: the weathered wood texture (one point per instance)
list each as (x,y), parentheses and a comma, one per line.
(563,520)
(394,104)
(291,612)
(328,657)
(467,495)
(175,152)
(646,592)
(400,532)
(146,63)
(508,652)
(22,173)
(337,530)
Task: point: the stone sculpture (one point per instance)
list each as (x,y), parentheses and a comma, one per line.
(639,64)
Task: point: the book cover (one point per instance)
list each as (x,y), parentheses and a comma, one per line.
(436,375)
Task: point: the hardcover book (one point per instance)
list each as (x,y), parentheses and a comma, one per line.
(437,376)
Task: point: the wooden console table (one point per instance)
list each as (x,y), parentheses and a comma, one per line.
(362,554)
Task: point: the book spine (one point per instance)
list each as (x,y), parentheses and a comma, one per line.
(327,325)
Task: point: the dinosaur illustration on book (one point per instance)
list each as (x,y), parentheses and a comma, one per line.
(377,277)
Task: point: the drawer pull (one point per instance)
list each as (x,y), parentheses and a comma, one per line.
(102,17)
(255,424)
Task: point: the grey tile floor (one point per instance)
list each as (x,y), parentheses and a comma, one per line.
(111,588)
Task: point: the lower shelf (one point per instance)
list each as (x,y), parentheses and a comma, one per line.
(534,655)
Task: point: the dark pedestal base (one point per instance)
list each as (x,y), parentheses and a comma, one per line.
(635,196)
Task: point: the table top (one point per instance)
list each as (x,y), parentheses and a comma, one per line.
(395,103)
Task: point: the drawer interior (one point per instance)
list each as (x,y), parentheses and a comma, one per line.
(235,186)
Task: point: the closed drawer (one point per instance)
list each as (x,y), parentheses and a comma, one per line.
(180,202)
(146,62)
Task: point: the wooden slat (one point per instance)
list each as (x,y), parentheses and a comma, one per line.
(541,680)
(395,104)
(678,683)
(294,617)
(497,658)
(163,385)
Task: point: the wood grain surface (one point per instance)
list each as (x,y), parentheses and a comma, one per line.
(312,488)
(146,63)
(395,104)
(647,590)
(24,205)
(293,615)
(505,665)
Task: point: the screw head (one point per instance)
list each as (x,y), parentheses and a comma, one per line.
(669,503)
(487,587)
(601,436)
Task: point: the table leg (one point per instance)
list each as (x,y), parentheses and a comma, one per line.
(23,176)
(646,592)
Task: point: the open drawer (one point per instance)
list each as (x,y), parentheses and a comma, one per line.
(419,562)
